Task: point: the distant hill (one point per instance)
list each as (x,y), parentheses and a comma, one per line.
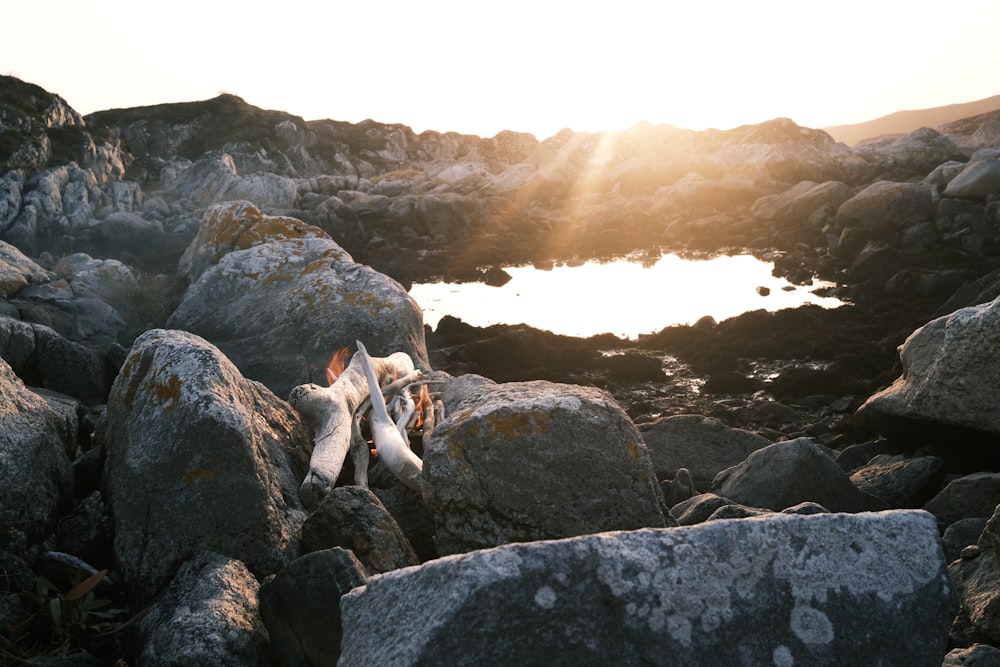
(903,122)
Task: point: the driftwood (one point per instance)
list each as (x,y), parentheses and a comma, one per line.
(391,441)
(330,412)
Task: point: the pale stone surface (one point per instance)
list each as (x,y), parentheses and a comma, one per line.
(36,478)
(534,460)
(198,457)
(279,298)
(207,616)
(791,472)
(703,445)
(951,376)
(808,589)
(978,180)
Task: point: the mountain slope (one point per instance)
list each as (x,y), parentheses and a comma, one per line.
(903,122)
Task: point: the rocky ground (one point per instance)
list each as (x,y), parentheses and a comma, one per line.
(263,242)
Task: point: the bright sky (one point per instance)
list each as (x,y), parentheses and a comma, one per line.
(528,65)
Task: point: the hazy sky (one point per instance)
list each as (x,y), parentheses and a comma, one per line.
(535,66)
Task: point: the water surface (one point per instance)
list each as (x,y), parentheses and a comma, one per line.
(623,297)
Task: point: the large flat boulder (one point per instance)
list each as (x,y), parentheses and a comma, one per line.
(825,589)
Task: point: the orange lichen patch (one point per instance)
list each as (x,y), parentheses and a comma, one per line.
(634,450)
(200,474)
(510,427)
(168,393)
(126,376)
(240,225)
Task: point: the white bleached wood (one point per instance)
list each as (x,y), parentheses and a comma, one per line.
(392,448)
(329,411)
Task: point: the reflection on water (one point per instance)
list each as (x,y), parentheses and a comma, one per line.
(622,297)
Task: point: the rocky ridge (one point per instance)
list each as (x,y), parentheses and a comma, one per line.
(219,220)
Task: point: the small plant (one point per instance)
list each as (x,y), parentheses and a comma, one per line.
(75,615)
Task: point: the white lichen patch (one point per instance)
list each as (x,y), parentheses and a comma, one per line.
(545,597)
(692,583)
(811,626)
(782,657)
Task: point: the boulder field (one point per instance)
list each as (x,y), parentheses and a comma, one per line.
(807,486)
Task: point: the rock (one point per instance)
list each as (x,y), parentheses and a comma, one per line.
(977,655)
(736,511)
(697,509)
(977,581)
(537,460)
(854,457)
(961,534)
(978,180)
(213,179)
(793,207)
(703,445)
(414,519)
(790,472)
(72,368)
(887,206)
(811,594)
(301,610)
(17,345)
(901,483)
(123,233)
(915,153)
(951,377)
(237,225)
(17,271)
(974,495)
(354,518)
(36,479)
(678,489)
(206,616)
(199,458)
(279,309)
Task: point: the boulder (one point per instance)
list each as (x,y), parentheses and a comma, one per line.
(886,206)
(901,482)
(36,478)
(978,180)
(17,345)
(206,616)
(790,472)
(301,606)
(951,378)
(795,206)
(354,518)
(213,179)
(198,457)
(535,460)
(697,509)
(960,535)
(968,496)
(279,309)
(915,153)
(977,580)
(237,225)
(703,445)
(779,589)
(977,655)
(17,271)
